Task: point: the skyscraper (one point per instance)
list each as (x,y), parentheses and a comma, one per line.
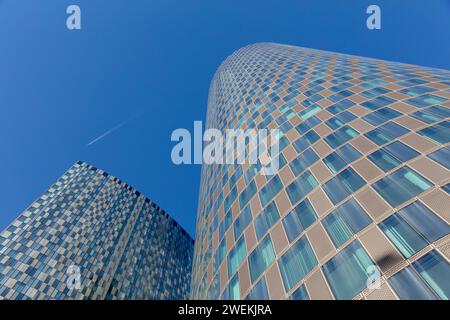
(91,236)
(360,206)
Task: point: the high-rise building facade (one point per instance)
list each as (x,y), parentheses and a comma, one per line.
(360,208)
(91,236)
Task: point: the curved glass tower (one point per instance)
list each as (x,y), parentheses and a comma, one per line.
(92,236)
(360,206)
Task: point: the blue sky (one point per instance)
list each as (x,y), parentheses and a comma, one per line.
(150,62)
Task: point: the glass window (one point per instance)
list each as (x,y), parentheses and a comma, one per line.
(334,123)
(384,160)
(410,286)
(401,151)
(230,199)
(301,187)
(236,256)
(232,292)
(345,221)
(414,91)
(378,137)
(446,188)
(386,133)
(432,114)
(266,220)
(422,219)
(378,103)
(402,235)
(300,294)
(221,253)
(442,156)
(401,186)
(439,133)
(303,161)
(425,100)
(381,116)
(334,162)
(346,116)
(296,263)
(310,111)
(299,219)
(259,291)
(337,229)
(436,272)
(343,184)
(348,153)
(340,136)
(270,190)
(347,271)
(292,225)
(305,213)
(247,194)
(341,106)
(311,137)
(261,258)
(394,130)
(242,222)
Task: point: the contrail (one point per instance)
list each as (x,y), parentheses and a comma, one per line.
(120,125)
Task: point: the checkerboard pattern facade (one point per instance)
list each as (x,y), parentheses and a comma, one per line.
(362,194)
(125,246)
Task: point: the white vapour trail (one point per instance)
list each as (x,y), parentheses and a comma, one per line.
(120,125)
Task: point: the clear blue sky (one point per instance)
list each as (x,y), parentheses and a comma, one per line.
(61,89)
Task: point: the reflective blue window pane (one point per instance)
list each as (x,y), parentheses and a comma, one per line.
(343,184)
(261,258)
(401,186)
(378,137)
(220,253)
(266,220)
(436,272)
(394,130)
(292,225)
(442,156)
(247,194)
(335,190)
(439,133)
(236,256)
(348,153)
(242,222)
(425,221)
(432,114)
(296,263)
(410,286)
(306,213)
(401,151)
(270,190)
(355,216)
(405,238)
(347,271)
(384,160)
(334,162)
(259,291)
(311,137)
(337,229)
(378,103)
(300,294)
(340,136)
(303,161)
(425,100)
(301,187)
(232,292)
(446,188)
(346,220)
